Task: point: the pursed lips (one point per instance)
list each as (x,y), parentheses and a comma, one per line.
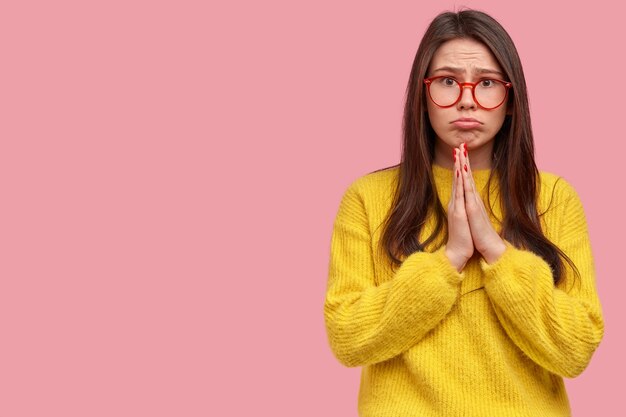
(466,119)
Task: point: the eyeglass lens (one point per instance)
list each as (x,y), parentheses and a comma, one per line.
(445,91)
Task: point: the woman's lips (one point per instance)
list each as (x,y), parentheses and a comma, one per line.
(466,124)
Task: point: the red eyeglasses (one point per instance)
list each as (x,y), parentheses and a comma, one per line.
(446,91)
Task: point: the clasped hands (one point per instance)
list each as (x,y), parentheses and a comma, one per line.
(469,227)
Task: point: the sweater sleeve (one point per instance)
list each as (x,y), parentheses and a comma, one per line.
(368,323)
(559,327)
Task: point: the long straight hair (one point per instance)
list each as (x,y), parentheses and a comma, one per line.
(513,160)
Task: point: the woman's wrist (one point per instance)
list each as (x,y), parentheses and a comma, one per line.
(494,251)
(456,260)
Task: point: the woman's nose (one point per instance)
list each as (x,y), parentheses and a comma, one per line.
(467,99)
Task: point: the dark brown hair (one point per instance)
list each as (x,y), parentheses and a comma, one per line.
(513,153)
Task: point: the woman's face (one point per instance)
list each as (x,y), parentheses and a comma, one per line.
(466,60)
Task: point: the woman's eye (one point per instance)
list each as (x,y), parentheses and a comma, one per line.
(448,81)
(487,83)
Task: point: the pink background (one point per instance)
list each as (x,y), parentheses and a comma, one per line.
(170,172)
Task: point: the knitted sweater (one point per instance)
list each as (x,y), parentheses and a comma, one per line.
(494,340)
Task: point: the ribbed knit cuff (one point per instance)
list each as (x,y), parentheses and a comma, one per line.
(516,264)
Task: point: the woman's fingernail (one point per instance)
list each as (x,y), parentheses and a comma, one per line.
(465,145)
(466,152)
(465,168)
(457,173)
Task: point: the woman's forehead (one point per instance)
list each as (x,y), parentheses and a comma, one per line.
(464,56)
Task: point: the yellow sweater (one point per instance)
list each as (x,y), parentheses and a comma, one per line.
(494,340)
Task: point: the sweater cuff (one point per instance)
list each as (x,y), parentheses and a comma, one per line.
(514,262)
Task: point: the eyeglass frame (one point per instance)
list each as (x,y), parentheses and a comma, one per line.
(507,86)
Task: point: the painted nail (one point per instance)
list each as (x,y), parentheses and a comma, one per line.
(466,153)
(457,173)
(465,168)
(465,145)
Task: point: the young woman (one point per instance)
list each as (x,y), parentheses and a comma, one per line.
(462,279)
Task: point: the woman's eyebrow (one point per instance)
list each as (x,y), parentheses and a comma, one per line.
(475,70)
